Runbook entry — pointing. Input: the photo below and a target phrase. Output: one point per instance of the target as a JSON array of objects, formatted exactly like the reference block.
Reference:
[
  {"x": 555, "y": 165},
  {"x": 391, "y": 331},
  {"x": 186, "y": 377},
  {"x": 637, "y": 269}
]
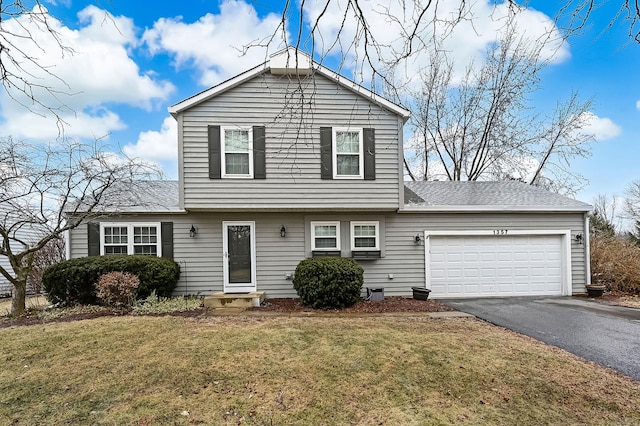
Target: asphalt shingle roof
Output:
[
  {"x": 150, "y": 196},
  {"x": 162, "y": 196},
  {"x": 507, "y": 196},
  {"x": 154, "y": 196}
]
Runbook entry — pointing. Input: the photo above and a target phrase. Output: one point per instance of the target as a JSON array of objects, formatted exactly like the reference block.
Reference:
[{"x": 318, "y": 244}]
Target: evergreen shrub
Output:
[
  {"x": 74, "y": 281},
  {"x": 328, "y": 282}
]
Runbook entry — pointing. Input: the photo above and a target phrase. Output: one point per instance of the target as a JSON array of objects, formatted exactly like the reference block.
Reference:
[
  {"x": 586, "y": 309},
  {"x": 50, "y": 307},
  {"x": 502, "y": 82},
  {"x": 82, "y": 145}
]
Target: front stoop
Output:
[{"x": 234, "y": 300}]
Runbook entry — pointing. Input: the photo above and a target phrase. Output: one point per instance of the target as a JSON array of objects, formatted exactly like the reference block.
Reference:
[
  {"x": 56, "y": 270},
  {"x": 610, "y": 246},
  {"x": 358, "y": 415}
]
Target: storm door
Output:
[{"x": 239, "y": 257}]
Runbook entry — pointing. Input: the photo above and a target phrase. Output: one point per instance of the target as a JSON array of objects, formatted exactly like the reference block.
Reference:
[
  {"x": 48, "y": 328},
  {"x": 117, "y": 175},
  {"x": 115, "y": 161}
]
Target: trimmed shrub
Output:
[
  {"x": 117, "y": 289},
  {"x": 73, "y": 281},
  {"x": 328, "y": 282}
]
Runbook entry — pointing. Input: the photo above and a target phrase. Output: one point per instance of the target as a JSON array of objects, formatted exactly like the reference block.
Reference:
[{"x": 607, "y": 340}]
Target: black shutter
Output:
[
  {"x": 259, "y": 154},
  {"x": 326, "y": 153},
  {"x": 166, "y": 230},
  {"x": 214, "y": 152},
  {"x": 93, "y": 239},
  {"x": 369, "y": 145}
]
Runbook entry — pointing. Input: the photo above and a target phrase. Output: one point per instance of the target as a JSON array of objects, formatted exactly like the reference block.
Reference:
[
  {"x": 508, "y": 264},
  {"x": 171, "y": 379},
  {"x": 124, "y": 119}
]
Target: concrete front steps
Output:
[{"x": 234, "y": 300}]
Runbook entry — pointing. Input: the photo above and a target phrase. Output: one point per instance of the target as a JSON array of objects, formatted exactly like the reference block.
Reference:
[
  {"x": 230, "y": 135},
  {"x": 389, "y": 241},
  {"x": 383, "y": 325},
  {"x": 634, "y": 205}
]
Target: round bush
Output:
[
  {"x": 328, "y": 282},
  {"x": 117, "y": 289},
  {"x": 73, "y": 281}
]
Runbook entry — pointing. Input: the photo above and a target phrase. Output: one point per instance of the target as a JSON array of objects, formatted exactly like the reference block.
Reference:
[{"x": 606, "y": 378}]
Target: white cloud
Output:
[
  {"x": 156, "y": 146},
  {"x": 638, "y": 105},
  {"x": 214, "y": 43},
  {"x": 601, "y": 128},
  {"x": 96, "y": 72},
  {"x": 465, "y": 43}
]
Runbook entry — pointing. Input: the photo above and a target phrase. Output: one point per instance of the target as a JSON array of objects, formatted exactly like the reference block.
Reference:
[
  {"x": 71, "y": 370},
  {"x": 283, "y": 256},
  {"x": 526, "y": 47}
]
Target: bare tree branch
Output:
[
  {"x": 23, "y": 74},
  {"x": 46, "y": 191}
]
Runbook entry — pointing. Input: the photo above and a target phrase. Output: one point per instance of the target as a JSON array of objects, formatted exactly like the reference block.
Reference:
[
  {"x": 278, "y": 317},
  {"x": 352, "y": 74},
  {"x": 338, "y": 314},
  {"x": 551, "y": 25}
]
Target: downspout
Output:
[
  {"x": 587, "y": 249},
  {"x": 67, "y": 244}
]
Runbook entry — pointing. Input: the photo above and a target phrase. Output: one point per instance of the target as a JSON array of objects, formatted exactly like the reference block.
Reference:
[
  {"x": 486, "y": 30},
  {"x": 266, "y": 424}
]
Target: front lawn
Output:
[{"x": 275, "y": 371}]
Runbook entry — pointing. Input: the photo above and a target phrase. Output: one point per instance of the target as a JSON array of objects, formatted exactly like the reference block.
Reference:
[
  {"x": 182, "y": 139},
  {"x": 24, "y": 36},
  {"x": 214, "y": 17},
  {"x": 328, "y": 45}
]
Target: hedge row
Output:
[{"x": 73, "y": 281}]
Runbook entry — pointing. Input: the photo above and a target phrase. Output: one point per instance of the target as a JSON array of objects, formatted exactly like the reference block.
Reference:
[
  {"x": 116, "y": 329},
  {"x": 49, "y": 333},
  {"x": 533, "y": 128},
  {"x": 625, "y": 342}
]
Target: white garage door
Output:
[{"x": 488, "y": 265}]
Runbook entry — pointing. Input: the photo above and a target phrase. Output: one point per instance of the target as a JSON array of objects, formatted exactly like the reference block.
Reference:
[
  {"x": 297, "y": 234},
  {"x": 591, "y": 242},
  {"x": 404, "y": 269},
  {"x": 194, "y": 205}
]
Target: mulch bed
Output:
[{"x": 389, "y": 304}]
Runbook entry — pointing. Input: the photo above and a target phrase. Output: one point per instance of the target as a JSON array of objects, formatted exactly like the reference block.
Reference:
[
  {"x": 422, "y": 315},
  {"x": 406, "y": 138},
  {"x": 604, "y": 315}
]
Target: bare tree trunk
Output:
[{"x": 19, "y": 296}]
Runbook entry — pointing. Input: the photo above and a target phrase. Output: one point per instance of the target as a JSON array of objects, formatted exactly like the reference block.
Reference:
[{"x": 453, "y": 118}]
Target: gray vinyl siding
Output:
[
  {"x": 407, "y": 259},
  {"x": 30, "y": 236},
  {"x": 200, "y": 258},
  {"x": 292, "y": 121},
  {"x": 5, "y": 286}
]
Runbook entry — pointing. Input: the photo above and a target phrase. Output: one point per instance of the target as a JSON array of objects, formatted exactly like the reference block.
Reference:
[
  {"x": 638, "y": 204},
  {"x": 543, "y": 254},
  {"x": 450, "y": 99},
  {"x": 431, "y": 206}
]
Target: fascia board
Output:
[{"x": 174, "y": 110}]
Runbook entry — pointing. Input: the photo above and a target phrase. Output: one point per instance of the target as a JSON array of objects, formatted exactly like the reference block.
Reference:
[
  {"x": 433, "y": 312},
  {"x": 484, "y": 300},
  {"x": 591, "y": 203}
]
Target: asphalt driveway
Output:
[{"x": 606, "y": 334}]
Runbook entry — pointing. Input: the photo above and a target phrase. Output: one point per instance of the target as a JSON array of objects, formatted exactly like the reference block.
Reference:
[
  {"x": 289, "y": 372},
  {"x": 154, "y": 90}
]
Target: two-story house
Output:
[{"x": 290, "y": 160}]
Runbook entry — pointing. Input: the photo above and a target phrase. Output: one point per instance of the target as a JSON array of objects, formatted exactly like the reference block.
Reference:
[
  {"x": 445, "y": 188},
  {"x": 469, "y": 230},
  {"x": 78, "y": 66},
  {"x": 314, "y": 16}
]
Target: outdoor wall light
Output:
[
  {"x": 193, "y": 231},
  {"x": 283, "y": 231},
  {"x": 579, "y": 238},
  {"x": 417, "y": 239}
]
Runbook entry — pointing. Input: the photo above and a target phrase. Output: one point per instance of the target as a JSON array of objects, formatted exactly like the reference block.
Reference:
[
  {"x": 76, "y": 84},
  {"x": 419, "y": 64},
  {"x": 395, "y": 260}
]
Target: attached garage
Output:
[{"x": 497, "y": 263}]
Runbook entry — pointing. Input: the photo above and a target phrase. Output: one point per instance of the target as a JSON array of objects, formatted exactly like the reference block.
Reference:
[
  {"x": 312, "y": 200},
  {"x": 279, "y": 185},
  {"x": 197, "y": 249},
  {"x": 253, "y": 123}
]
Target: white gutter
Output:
[{"x": 491, "y": 208}]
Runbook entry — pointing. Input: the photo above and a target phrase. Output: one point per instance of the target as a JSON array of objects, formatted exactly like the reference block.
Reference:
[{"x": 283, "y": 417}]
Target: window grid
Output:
[
  {"x": 237, "y": 146},
  {"x": 115, "y": 240},
  {"x": 325, "y": 235},
  {"x": 145, "y": 240},
  {"x": 130, "y": 239},
  {"x": 348, "y": 155},
  {"x": 365, "y": 236}
]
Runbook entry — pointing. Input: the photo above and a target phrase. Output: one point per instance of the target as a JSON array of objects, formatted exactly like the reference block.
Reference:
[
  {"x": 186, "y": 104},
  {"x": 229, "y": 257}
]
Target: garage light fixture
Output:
[
  {"x": 417, "y": 240},
  {"x": 579, "y": 238},
  {"x": 283, "y": 231},
  {"x": 193, "y": 231}
]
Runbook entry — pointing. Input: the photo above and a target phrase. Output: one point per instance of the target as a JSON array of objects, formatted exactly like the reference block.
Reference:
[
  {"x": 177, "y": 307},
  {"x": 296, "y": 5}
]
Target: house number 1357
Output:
[{"x": 500, "y": 231}]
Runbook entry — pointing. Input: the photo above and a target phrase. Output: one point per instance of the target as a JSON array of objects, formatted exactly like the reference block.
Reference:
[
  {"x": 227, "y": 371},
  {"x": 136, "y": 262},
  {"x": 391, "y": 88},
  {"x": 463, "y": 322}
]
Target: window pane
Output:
[
  {"x": 325, "y": 230},
  {"x": 326, "y": 242},
  {"x": 347, "y": 142},
  {"x": 364, "y": 230},
  {"x": 348, "y": 165},
  {"x": 236, "y": 141},
  {"x": 115, "y": 235},
  {"x": 240, "y": 261},
  {"x": 115, "y": 250},
  {"x": 147, "y": 250},
  {"x": 365, "y": 242},
  {"x": 145, "y": 235},
  {"x": 236, "y": 164}
]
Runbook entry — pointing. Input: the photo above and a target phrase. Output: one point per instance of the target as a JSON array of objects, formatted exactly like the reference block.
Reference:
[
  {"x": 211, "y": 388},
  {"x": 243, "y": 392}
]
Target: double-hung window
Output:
[
  {"x": 237, "y": 152},
  {"x": 365, "y": 236},
  {"x": 325, "y": 236},
  {"x": 130, "y": 238},
  {"x": 347, "y": 153}
]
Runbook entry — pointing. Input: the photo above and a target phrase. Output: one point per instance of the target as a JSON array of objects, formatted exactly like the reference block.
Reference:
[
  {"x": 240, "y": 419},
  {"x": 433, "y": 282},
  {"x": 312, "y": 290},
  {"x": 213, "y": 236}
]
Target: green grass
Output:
[{"x": 264, "y": 371}]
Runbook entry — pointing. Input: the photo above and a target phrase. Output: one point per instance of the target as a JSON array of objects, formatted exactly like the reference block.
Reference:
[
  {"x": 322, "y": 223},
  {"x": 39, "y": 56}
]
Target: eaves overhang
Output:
[{"x": 495, "y": 209}]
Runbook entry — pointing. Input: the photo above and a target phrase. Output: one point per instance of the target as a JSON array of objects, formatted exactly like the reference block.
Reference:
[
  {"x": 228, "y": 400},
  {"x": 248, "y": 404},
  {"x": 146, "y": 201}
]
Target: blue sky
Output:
[{"x": 133, "y": 59}]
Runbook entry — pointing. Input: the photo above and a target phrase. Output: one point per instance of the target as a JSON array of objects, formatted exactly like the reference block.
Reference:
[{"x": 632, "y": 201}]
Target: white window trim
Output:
[
  {"x": 353, "y": 235},
  {"x": 130, "y": 226},
  {"x": 313, "y": 235},
  {"x": 335, "y": 153},
  {"x": 223, "y": 157}
]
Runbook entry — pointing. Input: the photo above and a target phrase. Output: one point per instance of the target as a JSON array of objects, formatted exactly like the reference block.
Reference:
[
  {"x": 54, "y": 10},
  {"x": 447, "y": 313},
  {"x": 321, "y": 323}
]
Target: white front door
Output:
[{"x": 239, "y": 256}]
